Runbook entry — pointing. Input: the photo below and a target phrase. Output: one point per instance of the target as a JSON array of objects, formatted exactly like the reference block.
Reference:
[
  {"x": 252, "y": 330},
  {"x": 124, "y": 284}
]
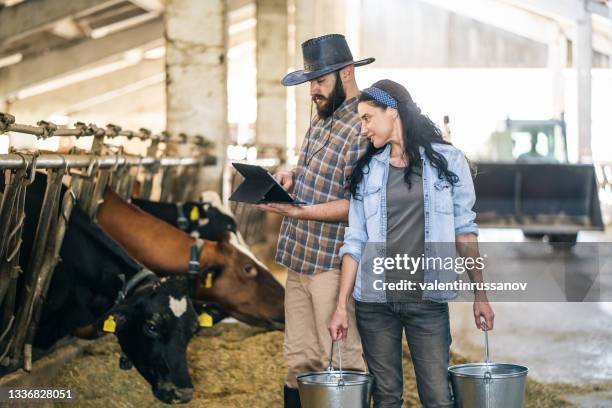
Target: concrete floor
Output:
[{"x": 559, "y": 342}]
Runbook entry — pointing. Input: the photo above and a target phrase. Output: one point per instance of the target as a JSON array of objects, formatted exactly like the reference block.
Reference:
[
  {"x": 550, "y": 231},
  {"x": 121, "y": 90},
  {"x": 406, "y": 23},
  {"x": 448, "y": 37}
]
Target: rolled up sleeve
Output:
[
  {"x": 355, "y": 235},
  {"x": 464, "y": 198}
]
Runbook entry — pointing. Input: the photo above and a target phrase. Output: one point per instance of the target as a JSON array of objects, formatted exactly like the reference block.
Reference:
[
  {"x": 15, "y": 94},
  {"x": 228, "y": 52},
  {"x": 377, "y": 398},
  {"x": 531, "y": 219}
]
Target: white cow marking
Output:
[{"x": 178, "y": 306}]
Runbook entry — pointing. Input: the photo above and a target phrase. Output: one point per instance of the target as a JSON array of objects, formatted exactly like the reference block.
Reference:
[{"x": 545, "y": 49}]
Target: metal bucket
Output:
[
  {"x": 335, "y": 389},
  {"x": 492, "y": 385}
]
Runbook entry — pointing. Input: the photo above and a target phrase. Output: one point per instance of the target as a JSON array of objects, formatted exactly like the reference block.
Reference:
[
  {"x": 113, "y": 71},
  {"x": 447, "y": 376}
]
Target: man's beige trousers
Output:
[{"x": 310, "y": 302}]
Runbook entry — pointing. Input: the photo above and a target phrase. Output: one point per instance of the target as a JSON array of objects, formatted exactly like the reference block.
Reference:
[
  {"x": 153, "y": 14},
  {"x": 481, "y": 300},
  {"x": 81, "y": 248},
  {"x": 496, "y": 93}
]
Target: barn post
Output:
[
  {"x": 271, "y": 59},
  {"x": 196, "y": 77}
]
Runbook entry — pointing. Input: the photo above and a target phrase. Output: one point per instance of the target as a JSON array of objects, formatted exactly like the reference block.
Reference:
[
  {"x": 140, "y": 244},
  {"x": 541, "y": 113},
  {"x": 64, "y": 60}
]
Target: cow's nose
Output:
[
  {"x": 173, "y": 395},
  {"x": 184, "y": 394}
]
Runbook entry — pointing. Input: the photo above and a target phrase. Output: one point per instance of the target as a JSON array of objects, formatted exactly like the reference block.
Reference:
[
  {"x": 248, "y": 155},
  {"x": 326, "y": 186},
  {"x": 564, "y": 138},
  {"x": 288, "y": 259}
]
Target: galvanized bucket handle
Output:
[
  {"x": 487, "y": 374},
  {"x": 330, "y": 368}
]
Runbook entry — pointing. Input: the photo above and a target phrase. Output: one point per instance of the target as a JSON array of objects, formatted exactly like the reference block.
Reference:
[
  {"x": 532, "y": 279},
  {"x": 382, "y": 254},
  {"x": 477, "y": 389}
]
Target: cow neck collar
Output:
[
  {"x": 194, "y": 264},
  {"x": 144, "y": 273},
  {"x": 194, "y": 260},
  {"x": 181, "y": 221},
  {"x": 132, "y": 283}
]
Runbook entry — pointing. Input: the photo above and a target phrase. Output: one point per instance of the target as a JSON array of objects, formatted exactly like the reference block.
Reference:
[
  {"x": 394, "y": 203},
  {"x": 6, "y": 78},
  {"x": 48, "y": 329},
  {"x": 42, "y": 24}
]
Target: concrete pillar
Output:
[
  {"x": 304, "y": 18},
  {"x": 271, "y": 51},
  {"x": 557, "y": 62},
  {"x": 352, "y": 26},
  {"x": 312, "y": 18},
  {"x": 196, "y": 76},
  {"x": 583, "y": 49}
]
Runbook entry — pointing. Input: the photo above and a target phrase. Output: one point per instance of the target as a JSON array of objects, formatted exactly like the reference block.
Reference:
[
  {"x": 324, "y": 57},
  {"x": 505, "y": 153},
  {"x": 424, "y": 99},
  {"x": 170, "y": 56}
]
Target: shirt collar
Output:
[
  {"x": 383, "y": 156},
  {"x": 349, "y": 105}
]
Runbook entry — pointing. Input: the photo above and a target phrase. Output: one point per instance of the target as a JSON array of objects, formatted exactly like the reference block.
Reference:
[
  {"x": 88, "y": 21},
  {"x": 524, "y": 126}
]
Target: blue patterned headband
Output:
[{"x": 381, "y": 96}]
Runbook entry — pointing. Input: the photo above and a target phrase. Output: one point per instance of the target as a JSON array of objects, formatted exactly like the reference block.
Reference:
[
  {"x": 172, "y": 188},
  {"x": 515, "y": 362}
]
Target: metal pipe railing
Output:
[
  {"x": 55, "y": 161},
  {"x": 100, "y": 166},
  {"x": 45, "y": 129}
]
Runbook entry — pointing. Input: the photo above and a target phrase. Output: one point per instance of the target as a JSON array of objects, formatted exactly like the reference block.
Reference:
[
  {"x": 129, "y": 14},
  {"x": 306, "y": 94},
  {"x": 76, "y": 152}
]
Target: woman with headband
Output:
[{"x": 411, "y": 203}]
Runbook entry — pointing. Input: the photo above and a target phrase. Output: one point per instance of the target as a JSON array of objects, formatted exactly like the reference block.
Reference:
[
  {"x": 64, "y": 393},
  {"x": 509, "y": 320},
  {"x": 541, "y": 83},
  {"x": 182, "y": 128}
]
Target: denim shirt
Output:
[{"x": 448, "y": 213}]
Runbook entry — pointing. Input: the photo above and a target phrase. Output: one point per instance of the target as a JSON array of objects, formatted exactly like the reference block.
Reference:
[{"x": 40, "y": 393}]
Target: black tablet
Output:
[{"x": 259, "y": 187}]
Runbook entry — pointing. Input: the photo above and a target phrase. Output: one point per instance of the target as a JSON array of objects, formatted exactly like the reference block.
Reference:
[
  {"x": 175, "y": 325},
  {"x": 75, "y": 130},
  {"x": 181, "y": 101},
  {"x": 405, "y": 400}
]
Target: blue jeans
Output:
[{"x": 427, "y": 329}]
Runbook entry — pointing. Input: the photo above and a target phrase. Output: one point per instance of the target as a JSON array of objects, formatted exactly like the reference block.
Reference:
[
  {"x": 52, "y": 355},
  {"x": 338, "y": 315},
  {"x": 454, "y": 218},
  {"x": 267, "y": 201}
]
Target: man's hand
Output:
[
  {"x": 332, "y": 211},
  {"x": 286, "y": 210},
  {"x": 338, "y": 325},
  {"x": 285, "y": 179},
  {"x": 483, "y": 311}
]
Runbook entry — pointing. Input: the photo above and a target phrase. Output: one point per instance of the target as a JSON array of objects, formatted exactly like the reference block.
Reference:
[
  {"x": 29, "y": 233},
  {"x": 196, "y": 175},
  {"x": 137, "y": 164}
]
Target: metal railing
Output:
[{"x": 89, "y": 172}]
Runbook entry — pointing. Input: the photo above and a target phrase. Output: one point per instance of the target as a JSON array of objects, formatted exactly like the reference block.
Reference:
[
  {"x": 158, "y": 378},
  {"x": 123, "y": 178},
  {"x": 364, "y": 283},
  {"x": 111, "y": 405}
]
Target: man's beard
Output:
[{"x": 333, "y": 102}]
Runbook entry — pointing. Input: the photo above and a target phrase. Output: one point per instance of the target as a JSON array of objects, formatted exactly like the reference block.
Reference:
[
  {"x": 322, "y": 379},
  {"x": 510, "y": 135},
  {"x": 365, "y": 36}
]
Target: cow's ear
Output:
[{"x": 114, "y": 320}]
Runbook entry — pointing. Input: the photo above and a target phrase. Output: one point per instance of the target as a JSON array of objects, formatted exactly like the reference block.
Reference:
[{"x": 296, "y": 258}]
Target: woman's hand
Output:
[
  {"x": 483, "y": 313},
  {"x": 338, "y": 325}
]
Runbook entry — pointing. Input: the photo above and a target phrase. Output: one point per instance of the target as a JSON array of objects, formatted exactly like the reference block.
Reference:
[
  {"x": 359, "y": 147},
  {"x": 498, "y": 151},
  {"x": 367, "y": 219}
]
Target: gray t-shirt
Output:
[{"x": 405, "y": 227}]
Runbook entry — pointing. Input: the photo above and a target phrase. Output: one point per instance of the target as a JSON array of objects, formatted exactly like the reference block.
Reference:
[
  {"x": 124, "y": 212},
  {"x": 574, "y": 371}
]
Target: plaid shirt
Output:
[{"x": 325, "y": 163}]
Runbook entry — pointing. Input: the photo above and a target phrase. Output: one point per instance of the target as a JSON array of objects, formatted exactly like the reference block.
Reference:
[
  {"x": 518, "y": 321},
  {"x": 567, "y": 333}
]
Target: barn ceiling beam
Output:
[
  {"x": 47, "y": 67},
  {"x": 34, "y": 15},
  {"x": 149, "y": 5},
  {"x": 523, "y": 18},
  {"x": 63, "y": 100}
]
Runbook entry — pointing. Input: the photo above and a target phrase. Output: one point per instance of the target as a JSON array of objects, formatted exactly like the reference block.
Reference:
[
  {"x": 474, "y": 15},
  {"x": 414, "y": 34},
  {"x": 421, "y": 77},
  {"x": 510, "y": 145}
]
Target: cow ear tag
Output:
[
  {"x": 209, "y": 280},
  {"x": 205, "y": 320},
  {"x": 109, "y": 324},
  {"x": 194, "y": 215}
]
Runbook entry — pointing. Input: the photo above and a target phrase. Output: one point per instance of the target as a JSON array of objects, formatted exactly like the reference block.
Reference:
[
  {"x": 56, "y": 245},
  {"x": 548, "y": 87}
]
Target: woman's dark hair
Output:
[{"x": 418, "y": 130}]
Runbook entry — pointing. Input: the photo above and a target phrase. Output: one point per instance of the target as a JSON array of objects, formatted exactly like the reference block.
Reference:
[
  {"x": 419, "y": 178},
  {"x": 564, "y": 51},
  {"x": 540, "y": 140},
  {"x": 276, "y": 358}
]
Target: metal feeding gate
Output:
[{"x": 89, "y": 173}]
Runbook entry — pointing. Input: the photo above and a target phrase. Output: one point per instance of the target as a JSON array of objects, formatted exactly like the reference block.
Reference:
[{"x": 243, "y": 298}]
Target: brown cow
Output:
[{"x": 244, "y": 287}]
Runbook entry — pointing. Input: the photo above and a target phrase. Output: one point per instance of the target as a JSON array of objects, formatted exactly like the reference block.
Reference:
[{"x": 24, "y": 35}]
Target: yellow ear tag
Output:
[
  {"x": 205, "y": 320},
  {"x": 109, "y": 324},
  {"x": 194, "y": 215},
  {"x": 208, "y": 283}
]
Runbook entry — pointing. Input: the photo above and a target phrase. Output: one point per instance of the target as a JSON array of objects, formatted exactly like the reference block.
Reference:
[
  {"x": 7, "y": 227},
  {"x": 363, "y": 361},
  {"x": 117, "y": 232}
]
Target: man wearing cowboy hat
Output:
[{"x": 312, "y": 234}]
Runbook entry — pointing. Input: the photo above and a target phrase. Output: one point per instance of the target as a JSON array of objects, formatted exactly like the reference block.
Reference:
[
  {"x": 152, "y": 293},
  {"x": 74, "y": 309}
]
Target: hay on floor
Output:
[{"x": 232, "y": 366}]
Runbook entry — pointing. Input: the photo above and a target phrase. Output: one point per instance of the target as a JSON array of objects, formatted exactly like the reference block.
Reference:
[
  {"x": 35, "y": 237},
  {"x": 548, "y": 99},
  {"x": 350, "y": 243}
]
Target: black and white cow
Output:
[
  {"x": 210, "y": 221},
  {"x": 153, "y": 323}
]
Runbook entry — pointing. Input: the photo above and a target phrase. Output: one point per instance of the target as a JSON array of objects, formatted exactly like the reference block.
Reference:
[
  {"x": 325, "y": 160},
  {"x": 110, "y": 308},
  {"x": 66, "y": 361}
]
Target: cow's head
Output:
[
  {"x": 210, "y": 221},
  {"x": 235, "y": 279},
  {"x": 153, "y": 326}
]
